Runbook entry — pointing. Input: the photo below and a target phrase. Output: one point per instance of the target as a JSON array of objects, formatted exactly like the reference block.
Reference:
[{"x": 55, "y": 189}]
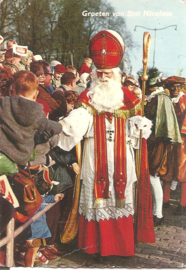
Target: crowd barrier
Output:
[{"x": 11, "y": 235}]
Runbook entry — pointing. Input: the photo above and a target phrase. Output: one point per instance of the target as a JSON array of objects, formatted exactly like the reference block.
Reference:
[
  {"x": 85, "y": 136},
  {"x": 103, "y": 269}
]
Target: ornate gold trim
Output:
[{"x": 117, "y": 113}]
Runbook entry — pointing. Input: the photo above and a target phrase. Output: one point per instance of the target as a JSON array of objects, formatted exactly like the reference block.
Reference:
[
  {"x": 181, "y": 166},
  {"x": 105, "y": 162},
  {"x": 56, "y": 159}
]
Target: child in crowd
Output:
[
  {"x": 71, "y": 97},
  {"x": 66, "y": 100},
  {"x": 39, "y": 230},
  {"x": 66, "y": 164},
  {"x": 20, "y": 118},
  {"x": 64, "y": 159}
]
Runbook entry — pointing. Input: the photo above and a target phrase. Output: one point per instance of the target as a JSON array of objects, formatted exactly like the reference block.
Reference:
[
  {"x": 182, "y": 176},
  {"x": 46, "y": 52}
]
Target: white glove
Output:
[{"x": 137, "y": 123}]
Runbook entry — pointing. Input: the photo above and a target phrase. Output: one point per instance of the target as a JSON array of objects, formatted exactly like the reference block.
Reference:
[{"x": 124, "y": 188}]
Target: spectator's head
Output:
[
  {"x": 6, "y": 79},
  {"x": 47, "y": 71},
  {"x": 133, "y": 86},
  {"x": 2, "y": 56},
  {"x": 13, "y": 58},
  {"x": 26, "y": 60},
  {"x": 72, "y": 69},
  {"x": 37, "y": 69},
  {"x": 71, "y": 97},
  {"x": 59, "y": 70},
  {"x": 26, "y": 84},
  {"x": 69, "y": 80},
  {"x": 88, "y": 62},
  {"x": 10, "y": 43}
]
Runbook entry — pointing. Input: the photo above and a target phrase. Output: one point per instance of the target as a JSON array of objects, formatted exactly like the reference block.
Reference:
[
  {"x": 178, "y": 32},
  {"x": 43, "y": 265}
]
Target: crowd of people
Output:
[{"x": 46, "y": 109}]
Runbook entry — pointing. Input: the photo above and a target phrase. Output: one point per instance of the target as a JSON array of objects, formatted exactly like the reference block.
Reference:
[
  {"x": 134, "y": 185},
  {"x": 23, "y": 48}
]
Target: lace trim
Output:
[{"x": 98, "y": 214}]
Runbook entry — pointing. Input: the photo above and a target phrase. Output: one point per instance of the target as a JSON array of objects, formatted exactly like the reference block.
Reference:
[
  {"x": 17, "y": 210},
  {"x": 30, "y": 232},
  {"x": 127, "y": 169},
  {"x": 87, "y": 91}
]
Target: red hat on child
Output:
[
  {"x": 60, "y": 68},
  {"x": 106, "y": 49}
]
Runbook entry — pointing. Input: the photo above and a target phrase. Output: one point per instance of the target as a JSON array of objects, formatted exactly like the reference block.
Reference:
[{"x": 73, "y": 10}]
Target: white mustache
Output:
[{"x": 104, "y": 80}]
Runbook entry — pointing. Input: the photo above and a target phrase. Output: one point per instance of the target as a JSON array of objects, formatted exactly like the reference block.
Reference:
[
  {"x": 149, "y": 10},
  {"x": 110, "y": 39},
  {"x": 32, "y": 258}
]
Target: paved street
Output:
[{"x": 169, "y": 251}]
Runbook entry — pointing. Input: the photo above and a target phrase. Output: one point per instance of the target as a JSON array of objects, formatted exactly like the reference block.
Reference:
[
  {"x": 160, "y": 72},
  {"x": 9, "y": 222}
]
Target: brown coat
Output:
[{"x": 43, "y": 94}]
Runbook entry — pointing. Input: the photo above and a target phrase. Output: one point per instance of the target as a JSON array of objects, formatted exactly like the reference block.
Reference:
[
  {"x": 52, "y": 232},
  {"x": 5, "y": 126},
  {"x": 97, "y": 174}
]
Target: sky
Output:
[{"x": 170, "y": 47}]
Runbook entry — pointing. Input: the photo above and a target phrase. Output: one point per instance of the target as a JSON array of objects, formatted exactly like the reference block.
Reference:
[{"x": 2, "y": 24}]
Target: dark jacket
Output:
[
  {"x": 20, "y": 118},
  {"x": 62, "y": 110},
  {"x": 62, "y": 172}
]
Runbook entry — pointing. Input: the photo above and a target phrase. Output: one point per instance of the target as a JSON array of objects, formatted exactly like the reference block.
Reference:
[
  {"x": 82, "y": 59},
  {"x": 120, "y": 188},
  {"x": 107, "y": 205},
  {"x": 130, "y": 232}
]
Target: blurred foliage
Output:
[{"x": 56, "y": 29}]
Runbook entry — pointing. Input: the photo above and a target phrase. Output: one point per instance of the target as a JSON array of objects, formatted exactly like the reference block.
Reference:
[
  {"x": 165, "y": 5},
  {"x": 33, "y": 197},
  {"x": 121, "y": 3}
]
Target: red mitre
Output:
[{"x": 106, "y": 49}]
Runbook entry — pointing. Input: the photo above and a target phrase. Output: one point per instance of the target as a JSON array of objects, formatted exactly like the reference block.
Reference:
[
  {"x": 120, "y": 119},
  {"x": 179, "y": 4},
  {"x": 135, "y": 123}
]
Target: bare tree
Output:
[{"x": 56, "y": 29}]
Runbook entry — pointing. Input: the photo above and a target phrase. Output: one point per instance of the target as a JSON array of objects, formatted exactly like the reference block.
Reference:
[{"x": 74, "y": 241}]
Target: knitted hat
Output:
[
  {"x": 106, "y": 49},
  {"x": 60, "y": 68}
]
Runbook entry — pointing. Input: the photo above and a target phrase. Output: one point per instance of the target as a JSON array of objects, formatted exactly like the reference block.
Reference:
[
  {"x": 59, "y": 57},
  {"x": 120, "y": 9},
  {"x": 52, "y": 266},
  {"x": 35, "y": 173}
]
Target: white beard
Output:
[{"x": 106, "y": 94}]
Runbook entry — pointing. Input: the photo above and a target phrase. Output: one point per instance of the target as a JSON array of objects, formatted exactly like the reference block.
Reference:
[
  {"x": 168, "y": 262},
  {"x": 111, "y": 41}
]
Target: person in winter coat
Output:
[
  {"x": 64, "y": 169},
  {"x": 11, "y": 61},
  {"x": 25, "y": 61},
  {"x": 21, "y": 117},
  {"x": 86, "y": 66}
]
